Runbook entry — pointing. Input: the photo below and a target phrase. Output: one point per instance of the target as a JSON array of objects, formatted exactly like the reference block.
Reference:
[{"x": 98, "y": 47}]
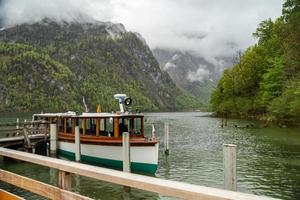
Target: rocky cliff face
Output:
[
  {"x": 103, "y": 59},
  {"x": 191, "y": 72}
]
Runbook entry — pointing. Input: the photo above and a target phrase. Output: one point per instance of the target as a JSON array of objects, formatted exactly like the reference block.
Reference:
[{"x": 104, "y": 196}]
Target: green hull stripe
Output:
[{"x": 116, "y": 164}]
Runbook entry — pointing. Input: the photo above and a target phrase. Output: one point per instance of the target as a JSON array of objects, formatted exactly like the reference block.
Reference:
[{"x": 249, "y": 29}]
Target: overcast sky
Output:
[{"x": 209, "y": 27}]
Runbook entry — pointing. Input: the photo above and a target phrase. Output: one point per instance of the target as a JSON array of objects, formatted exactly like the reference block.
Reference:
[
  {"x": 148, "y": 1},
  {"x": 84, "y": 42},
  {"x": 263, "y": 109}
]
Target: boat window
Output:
[
  {"x": 137, "y": 125},
  {"x": 88, "y": 126},
  {"x": 123, "y": 126},
  {"x": 69, "y": 125},
  {"x": 131, "y": 124},
  {"x": 82, "y": 126},
  {"x": 92, "y": 126},
  {"x": 102, "y": 126},
  {"x": 108, "y": 127},
  {"x": 60, "y": 122}
]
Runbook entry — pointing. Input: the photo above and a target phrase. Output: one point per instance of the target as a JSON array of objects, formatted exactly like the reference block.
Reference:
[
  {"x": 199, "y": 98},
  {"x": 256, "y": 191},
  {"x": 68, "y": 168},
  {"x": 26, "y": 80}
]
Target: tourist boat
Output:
[{"x": 101, "y": 137}]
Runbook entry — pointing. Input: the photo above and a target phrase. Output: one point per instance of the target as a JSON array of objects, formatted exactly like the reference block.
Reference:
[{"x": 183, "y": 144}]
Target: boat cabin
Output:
[
  {"x": 100, "y": 127},
  {"x": 96, "y": 124},
  {"x": 97, "y": 127}
]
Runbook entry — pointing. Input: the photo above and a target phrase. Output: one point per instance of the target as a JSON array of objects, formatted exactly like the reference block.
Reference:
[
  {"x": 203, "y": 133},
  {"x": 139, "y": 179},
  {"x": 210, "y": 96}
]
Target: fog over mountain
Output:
[
  {"x": 210, "y": 28},
  {"x": 193, "y": 40},
  {"x": 192, "y": 72}
]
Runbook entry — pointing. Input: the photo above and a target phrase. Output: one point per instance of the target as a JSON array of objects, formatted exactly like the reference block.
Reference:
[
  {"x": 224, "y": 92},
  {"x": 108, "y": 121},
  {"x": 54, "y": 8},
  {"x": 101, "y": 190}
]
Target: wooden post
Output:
[
  {"x": 97, "y": 126},
  {"x": 73, "y": 122},
  {"x": 65, "y": 125},
  {"x": 166, "y": 141},
  {"x": 53, "y": 139},
  {"x": 83, "y": 126},
  {"x": 126, "y": 151},
  {"x": 229, "y": 163},
  {"x": 77, "y": 144},
  {"x": 126, "y": 156},
  {"x": 26, "y": 139},
  {"x": 64, "y": 180},
  {"x": 116, "y": 127}
]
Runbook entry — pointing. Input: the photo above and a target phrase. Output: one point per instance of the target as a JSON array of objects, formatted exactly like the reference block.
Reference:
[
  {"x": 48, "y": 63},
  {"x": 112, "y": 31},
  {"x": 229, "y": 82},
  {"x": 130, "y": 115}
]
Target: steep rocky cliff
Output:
[{"x": 191, "y": 72}]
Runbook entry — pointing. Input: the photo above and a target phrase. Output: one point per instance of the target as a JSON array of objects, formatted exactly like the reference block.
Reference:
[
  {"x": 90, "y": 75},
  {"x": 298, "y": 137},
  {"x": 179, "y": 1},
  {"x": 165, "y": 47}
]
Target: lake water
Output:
[{"x": 268, "y": 159}]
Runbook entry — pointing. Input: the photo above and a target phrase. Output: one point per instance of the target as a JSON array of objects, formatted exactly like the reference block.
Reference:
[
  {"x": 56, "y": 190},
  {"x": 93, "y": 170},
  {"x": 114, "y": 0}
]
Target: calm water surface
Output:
[{"x": 268, "y": 159}]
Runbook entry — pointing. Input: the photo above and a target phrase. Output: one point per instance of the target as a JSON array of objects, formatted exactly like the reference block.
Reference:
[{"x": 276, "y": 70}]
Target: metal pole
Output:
[
  {"x": 229, "y": 163},
  {"x": 126, "y": 151},
  {"x": 77, "y": 144}
]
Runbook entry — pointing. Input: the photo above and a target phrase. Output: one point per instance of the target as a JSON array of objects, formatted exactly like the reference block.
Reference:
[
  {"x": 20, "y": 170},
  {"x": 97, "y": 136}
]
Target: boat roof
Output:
[{"x": 89, "y": 115}]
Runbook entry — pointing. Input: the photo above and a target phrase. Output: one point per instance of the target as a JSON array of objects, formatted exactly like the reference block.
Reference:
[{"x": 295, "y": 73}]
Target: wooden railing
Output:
[
  {"x": 28, "y": 136},
  {"x": 8, "y": 196},
  {"x": 161, "y": 186},
  {"x": 39, "y": 188}
]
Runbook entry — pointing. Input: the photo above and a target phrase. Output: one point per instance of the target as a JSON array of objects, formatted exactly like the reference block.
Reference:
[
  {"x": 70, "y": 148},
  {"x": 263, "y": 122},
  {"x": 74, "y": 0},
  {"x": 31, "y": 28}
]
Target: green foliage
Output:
[
  {"x": 272, "y": 81},
  {"x": 287, "y": 105},
  {"x": 266, "y": 79},
  {"x": 50, "y": 67},
  {"x": 31, "y": 81}
]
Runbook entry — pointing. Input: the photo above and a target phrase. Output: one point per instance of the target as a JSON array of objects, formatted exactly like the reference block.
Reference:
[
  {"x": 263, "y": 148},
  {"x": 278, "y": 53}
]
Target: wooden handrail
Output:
[
  {"x": 9, "y": 196},
  {"x": 38, "y": 187},
  {"x": 161, "y": 186}
]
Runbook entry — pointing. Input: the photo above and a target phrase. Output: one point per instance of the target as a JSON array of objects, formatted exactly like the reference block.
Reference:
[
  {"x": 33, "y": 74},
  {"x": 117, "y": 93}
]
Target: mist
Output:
[
  {"x": 208, "y": 28},
  {"x": 200, "y": 75}
]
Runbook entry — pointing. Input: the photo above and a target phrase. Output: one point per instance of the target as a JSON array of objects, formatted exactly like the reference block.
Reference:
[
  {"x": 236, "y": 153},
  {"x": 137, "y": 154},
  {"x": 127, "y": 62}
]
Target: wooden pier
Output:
[
  {"x": 67, "y": 168},
  {"x": 27, "y": 137}
]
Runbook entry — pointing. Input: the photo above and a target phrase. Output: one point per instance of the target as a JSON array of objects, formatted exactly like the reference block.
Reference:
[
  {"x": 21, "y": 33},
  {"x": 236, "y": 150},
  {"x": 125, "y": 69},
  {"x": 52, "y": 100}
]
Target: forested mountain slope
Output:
[
  {"x": 53, "y": 65},
  {"x": 266, "y": 81}
]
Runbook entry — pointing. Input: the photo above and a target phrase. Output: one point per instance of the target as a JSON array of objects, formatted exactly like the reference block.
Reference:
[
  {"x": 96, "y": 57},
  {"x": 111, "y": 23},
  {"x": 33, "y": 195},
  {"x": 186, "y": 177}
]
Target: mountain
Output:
[
  {"x": 51, "y": 65},
  {"x": 191, "y": 72}
]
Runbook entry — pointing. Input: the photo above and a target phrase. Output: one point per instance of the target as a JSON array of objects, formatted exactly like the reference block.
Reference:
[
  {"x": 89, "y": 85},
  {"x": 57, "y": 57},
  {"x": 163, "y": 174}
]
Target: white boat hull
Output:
[{"x": 143, "y": 158}]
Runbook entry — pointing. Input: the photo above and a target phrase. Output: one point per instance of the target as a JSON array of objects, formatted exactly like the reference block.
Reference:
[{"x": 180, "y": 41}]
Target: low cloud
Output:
[
  {"x": 169, "y": 65},
  {"x": 200, "y": 75},
  {"x": 210, "y": 28}
]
